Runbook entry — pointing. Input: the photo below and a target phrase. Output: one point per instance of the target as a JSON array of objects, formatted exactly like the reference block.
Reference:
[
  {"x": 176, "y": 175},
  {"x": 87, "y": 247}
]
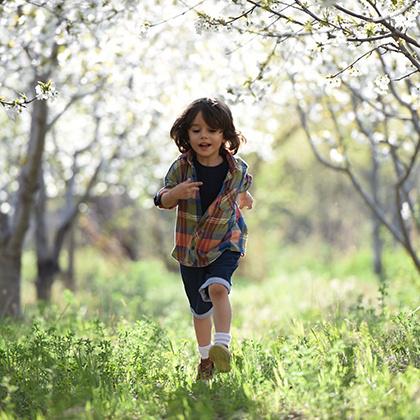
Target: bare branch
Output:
[
  {"x": 263, "y": 66},
  {"x": 71, "y": 215},
  {"x": 413, "y": 112},
  {"x": 369, "y": 39},
  {"x": 245, "y": 14},
  {"x": 347, "y": 170},
  {"x": 178, "y": 15},
  {"x": 405, "y": 76},
  {"x": 371, "y": 204},
  {"x": 17, "y": 102},
  {"x": 274, "y": 12},
  {"x": 304, "y": 123},
  {"x": 73, "y": 210},
  {"x": 373, "y": 105},
  {"x": 409, "y": 55},
  {"x": 72, "y": 101},
  {"x": 368, "y": 53},
  {"x": 383, "y": 20},
  {"x": 410, "y": 165},
  {"x": 314, "y": 16}
]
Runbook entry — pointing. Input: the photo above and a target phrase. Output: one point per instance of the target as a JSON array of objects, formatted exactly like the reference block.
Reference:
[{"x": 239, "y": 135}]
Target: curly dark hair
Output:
[{"x": 216, "y": 114}]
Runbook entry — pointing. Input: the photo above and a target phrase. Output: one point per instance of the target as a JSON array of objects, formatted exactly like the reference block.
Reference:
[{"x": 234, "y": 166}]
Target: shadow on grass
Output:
[{"x": 222, "y": 397}]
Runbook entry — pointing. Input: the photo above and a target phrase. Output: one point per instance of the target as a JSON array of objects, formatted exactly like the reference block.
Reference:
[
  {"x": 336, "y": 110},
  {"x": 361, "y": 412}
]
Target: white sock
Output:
[
  {"x": 222, "y": 338},
  {"x": 204, "y": 351}
]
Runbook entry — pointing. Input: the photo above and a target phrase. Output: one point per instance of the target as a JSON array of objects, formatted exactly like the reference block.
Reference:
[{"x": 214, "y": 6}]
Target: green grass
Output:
[{"x": 307, "y": 344}]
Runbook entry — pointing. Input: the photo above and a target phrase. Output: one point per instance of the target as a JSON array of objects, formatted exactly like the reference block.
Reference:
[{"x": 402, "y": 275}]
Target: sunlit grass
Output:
[{"x": 307, "y": 343}]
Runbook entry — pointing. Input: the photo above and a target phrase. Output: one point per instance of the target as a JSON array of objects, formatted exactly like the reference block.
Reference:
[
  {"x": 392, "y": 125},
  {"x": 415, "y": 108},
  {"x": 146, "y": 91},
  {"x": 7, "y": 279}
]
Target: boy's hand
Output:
[
  {"x": 245, "y": 200},
  {"x": 185, "y": 190}
]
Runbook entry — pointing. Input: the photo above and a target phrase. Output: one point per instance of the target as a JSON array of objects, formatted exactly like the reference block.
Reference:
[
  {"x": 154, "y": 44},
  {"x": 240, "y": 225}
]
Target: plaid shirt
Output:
[{"x": 201, "y": 239}]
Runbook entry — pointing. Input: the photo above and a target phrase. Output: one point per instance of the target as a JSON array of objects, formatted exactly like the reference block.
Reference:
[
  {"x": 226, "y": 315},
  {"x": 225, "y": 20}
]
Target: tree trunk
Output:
[
  {"x": 377, "y": 247},
  {"x": 69, "y": 280},
  {"x": 377, "y": 243},
  {"x": 47, "y": 270},
  {"x": 10, "y": 285},
  {"x": 12, "y": 242}
]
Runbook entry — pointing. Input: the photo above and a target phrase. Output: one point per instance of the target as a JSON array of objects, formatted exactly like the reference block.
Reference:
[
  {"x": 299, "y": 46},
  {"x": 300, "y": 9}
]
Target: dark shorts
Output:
[{"x": 198, "y": 279}]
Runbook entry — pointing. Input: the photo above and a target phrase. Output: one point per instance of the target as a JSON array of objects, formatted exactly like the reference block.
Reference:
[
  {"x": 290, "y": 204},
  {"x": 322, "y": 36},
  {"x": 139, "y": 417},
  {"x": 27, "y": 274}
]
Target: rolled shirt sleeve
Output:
[
  {"x": 172, "y": 178},
  {"x": 246, "y": 181}
]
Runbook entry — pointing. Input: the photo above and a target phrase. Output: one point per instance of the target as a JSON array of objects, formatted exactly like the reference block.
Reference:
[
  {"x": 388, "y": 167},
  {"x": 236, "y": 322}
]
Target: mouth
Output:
[{"x": 204, "y": 146}]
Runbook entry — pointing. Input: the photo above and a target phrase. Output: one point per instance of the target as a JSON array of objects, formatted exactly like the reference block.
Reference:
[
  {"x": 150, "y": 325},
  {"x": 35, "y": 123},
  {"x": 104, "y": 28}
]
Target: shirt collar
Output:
[{"x": 233, "y": 166}]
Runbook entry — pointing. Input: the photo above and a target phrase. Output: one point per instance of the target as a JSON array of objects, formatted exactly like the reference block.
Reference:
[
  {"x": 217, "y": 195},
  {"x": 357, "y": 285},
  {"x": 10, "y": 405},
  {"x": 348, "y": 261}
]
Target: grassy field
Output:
[{"x": 311, "y": 340}]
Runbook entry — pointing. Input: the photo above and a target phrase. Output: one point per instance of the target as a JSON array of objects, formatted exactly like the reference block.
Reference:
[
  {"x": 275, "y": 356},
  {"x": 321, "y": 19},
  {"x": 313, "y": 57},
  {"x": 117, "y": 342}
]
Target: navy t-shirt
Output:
[{"x": 212, "y": 178}]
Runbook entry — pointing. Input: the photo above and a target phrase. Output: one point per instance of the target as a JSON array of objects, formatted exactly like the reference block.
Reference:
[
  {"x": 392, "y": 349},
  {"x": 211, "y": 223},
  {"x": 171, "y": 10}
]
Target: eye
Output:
[{"x": 195, "y": 131}]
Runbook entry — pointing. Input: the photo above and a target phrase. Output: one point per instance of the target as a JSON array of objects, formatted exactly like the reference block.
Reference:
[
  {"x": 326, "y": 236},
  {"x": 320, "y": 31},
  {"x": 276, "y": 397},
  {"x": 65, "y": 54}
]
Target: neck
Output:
[{"x": 214, "y": 161}]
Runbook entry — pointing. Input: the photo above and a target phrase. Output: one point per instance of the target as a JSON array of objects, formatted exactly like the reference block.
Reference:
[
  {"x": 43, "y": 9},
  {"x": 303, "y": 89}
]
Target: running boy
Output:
[{"x": 209, "y": 185}]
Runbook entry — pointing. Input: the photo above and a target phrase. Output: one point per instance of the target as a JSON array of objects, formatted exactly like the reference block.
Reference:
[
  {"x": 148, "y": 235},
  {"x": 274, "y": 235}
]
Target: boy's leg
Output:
[
  {"x": 201, "y": 311},
  {"x": 219, "y": 353},
  {"x": 202, "y": 329},
  {"x": 222, "y": 311},
  {"x": 217, "y": 288}
]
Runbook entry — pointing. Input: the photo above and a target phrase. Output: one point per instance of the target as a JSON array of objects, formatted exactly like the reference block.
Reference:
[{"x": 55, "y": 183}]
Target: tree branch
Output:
[
  {"x": 274, "y": 12},
  {"x": 72, "y": 101},
  {"x": 347, "y": 170},
  {"x": 368, "y": 53},
  {"x": 413, "y": 112},
  {"x": 179, "y": 14},
  {"x": 383, "y": 20},
  {"x": 306, "y": 10}
]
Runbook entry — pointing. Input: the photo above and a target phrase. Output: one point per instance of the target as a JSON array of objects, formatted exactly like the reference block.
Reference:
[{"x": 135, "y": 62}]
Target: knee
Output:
[{"x": 216, "y": 291}]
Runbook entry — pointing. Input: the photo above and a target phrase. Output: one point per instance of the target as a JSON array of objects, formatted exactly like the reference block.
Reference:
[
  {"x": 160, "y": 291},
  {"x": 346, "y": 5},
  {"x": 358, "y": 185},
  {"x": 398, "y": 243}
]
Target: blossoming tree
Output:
[
  {"x": 351, "y": 72},
  {"x": 36, "y": 37}
]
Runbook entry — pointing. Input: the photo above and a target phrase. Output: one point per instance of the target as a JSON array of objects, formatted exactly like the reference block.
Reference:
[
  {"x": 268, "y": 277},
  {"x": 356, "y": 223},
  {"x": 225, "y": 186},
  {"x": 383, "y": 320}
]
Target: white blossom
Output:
[
  {"x": 144, "y": 30},
  {"x": 408, "y": 147},
  {"x": 336, "y": 156},
  {"x": 5, "y": 208},
  {"x": 333, "y": 82},
  {"x": 205, "y": 24},
  {"x": 378, "y": 137},
  {"x": 329, "y": 3},
  {"x": 405, "y": 211},
  {"x": 381, "y": 84},
  {"x": 354, "y": 71},
  {"x": 46, "y": 90}
]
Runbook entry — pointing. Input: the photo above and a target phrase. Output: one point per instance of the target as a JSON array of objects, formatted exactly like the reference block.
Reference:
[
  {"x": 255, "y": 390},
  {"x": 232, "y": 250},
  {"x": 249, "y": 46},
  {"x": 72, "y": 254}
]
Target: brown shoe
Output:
[
  {"x": 205, "y": 370},
  {"x": 220, "y": 355}
]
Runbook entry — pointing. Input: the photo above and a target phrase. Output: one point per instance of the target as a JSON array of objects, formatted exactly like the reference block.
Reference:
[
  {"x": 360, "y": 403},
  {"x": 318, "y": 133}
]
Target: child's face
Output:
[{"x": 205, "y": 141}]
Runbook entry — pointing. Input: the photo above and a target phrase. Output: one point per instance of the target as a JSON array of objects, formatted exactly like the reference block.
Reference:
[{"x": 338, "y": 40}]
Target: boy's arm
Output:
[
  {"x": 245, "y": 199},
  {"x": 246, "y": 183},
  {"x": 161, "y": 202},
  {"x": 167, "y": 198},
  {"x": 171, "y": 180}
]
